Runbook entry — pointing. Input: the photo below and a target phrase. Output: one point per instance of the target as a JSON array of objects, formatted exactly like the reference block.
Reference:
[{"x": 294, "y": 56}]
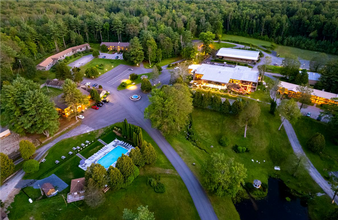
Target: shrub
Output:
[
  {"x": 146, "y": 85},
  {"x": 316, "y": 143},
  {"x": 239, "y": 149},
  {"x": 159, "y": 67},
  {"x": 152, "y": 182},
  {"x": 96, "y": 53},
  {"x": 27, "y": 149},
  {"x": 104, "y": 48},
  {"x": 160, "y": 188},
  {"x": 92, "y": 72},
  {"x": 31, "y": 166},
  {"x": 288, "y": 199},
  {"x": 123, "y": 84},
  {"x": 223, "y": 141},
  {"x": 133, "y": 76}
]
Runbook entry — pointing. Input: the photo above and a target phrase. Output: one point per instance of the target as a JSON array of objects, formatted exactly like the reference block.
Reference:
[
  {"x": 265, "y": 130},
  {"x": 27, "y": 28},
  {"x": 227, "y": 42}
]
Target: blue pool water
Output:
[
  {"x": 112, "y": 156},
  {"x": 135, "y": 96}
]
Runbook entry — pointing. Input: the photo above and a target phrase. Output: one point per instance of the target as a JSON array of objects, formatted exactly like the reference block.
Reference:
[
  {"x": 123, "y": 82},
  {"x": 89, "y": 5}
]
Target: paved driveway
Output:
[{"x": 82, "y": 61}]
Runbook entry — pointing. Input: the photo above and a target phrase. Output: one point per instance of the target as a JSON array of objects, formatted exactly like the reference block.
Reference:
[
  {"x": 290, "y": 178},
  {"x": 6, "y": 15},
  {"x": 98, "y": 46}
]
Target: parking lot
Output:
[{"x": 111, "y": 56}]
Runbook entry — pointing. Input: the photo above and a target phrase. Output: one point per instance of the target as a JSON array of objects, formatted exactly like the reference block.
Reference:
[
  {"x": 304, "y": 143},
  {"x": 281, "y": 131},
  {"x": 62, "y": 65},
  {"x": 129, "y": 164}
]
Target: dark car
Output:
[
  {"x": 99, "y": 104},
  {"x": 117, "y": 57},
  {"x": 94, "y": 85},
  {"x": 105, "y": 101},
  {"x": 319, "y": 118},
  {"x": 95, "y": 107}
]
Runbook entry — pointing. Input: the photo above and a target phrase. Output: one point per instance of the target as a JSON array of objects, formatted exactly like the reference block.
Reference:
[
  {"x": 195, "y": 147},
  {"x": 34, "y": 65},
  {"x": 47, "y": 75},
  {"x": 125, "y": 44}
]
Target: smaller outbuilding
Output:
[
  {"x": 257, "y": 184},
  {"x": 77, "y": 190},
  {"x": 48, "y": 189}
]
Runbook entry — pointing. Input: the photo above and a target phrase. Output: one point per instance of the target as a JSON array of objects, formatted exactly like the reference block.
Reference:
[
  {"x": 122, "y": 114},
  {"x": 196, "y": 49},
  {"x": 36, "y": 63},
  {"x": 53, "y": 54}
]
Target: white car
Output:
[
  {"x": 87, "y": 83},
  {"x": 81, "y": 117}
]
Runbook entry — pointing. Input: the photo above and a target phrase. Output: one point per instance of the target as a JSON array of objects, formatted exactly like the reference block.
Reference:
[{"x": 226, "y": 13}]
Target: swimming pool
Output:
[{"x": 112, "y": 156}]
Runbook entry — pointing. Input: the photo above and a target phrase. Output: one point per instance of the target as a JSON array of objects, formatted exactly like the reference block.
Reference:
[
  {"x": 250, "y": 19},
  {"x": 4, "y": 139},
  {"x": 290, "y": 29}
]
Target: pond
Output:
[{"x": 274, "y": 206}]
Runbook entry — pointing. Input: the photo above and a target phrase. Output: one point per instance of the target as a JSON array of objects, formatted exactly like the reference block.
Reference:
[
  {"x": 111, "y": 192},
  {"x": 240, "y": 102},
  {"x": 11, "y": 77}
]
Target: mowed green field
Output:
[
  {"x": 326, "y": 161},
  {"x": 209, "y": 127},
  {"x": 217, "y": 46},
  {"x": 175, "y": 203},
  {"x": 108, "y": 64},
  {"x": 281, "y": 50},
  {"x": 51, "y": 92}
]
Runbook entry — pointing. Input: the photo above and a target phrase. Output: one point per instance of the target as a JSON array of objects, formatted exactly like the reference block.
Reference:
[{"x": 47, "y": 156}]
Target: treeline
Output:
[{"x": 31, "y": 30}]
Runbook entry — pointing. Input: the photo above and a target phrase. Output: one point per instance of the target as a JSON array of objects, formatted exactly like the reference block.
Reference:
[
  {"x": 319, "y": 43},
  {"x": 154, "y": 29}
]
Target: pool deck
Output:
[{"x": 104, "y": 151}]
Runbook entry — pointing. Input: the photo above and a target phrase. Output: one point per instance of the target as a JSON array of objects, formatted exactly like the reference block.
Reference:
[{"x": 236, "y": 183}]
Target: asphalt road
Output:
[{"x": 121, "y": 107}]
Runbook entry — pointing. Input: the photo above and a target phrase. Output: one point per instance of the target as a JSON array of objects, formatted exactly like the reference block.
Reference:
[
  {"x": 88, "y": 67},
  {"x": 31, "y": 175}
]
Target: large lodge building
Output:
[
  {"x": 236, "y": 78},
  {"x": 116, "y": 46}
]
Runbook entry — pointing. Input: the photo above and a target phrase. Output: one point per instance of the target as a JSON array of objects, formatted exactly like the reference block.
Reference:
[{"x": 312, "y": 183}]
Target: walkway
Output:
[
  {"x": 81, "y": 157},
  {"x": 102, "y": 142},
  {"x": 297, "y": 148}
]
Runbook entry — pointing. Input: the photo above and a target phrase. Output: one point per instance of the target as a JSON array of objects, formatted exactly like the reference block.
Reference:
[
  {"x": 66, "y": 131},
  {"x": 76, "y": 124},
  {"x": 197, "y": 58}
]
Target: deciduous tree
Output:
[
  {"x": 146, "y": 85},
  {"x": 95, "y": 95},
  {"x": 289, "y": 110},
  {"x": 169, "y": 108},
  {"x": 223, "y": 176},
  {"x": 62, "y": 71},
  {"x": 6, "y": 166},
  {"x": 305, "y": 96},
  {"x": 72, "y": 96},
  {"x": 94, "y": 196},
  {"x": 143, "y": 213},
  {"x": 329, "y": 77},
  {"x": 30, "y": 166},
  {"x": 98, "y": 174},
  {"x": 249, "y": 115},
  {"x": 206, "y": 38},
  {"x": 316, "y": 143},
  {"x": 318, "y": 62},
  {"x": 27, "y": 149}
]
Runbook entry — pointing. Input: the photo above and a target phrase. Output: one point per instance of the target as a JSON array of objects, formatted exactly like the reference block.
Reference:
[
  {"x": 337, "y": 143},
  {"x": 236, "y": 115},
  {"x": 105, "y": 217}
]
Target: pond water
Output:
[{"x": 274, "y": 206}]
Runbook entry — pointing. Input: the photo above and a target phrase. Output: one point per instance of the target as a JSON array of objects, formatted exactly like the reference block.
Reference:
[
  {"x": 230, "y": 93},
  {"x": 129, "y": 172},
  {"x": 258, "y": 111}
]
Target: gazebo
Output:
[{"x": 257, "y": 184}]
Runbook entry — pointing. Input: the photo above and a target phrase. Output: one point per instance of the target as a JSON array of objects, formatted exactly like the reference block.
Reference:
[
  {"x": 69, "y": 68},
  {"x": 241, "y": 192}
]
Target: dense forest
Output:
[{"x": 31, "y": 30}]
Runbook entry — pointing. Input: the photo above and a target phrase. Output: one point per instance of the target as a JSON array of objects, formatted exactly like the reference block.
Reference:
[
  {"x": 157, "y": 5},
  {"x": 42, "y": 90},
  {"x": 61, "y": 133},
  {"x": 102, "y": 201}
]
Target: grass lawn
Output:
[
  {"x": 305, "y": 128},
  {"x": 42, "y": 76},
  {"x": 163, "y": 62},
  {"x": 248, "y": 40},
  {"x": 303, "y": 54},
  {"x": 107, "y": 65},
  {"x": 175, "y": 203},
  {"x": 130, "y": 82},
  {"x": 217, "y": 46},
  {"x": 209, "y": 127},
  {"x": 51, "y": 92},
  {"x": 78, "y": 57},
  {"x": 281, "y": 50},
  {"x": 95, "y": 46},
  {"x": 273, "y": 69}
]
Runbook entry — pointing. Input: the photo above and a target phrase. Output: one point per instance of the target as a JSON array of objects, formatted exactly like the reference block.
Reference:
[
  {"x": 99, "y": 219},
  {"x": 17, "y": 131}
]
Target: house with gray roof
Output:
[{"x": 238, "y": 55}]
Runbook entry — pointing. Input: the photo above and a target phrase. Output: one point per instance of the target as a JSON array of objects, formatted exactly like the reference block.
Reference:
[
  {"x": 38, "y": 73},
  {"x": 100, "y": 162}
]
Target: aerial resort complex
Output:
[
  {"x": 108, "y": 155},
  {"x": 155, "y": 110}
]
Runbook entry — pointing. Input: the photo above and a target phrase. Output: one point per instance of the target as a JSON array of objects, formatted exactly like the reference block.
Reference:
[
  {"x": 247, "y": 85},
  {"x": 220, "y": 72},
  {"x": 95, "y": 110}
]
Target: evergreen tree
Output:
[
  {"x": 226, "y": 107},
  {"x": 125, "y": 165},
  {"x": 27, "y": 149},
  {"x": 237, "y": 107},
  {"x": 62, "y": 71},
  {"x": 149, "y": 153},
  {"x": 135, "y": 52},
  {"x": 273, "y": 106},
  {"x": 136, "y": 156},
  {"x": 216, "y": 102},
  {"x": 115, "y": 178},
  {"x": 6, "y": 166}
]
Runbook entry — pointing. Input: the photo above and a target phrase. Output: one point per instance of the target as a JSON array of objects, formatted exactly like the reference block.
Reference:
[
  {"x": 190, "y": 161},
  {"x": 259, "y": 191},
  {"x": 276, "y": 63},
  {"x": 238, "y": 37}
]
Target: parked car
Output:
[
  {"x": 99, "y": 104},
  {"x": 94, "y": 85},
  {"x": 95, "y": 107},
  {"x": 308, "y": 114},
  {"x": 130, "y": 69},
  {"x": 87, "y": 83},
  {"x": 105, "y": 101},
  {"x": 81, "y": 117},
  {"x": 319, "y": 118},
  {"x": 104, "y": 57},
  {"x": 117, "y": 57}
]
